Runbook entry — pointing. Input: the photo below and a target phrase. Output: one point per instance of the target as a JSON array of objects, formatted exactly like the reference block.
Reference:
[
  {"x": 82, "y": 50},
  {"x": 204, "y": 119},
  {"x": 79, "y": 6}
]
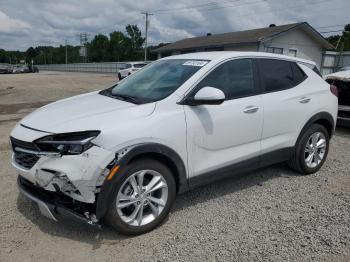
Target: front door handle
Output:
[
  {"x": 251, "y": 109},
  {"x": 304, "y": 100}
]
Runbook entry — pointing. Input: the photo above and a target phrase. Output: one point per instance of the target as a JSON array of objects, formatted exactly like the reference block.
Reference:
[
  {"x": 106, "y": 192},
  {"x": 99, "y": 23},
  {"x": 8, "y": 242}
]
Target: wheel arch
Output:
[
  {"x": 156, "y": 151},
  {"x": 323, "y": 118},
  {"x": 163, "y": 154}
]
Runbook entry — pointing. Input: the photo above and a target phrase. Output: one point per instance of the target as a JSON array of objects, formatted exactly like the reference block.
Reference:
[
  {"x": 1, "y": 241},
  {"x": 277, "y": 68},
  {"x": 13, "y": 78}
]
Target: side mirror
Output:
[{"x": 207, "y": 96}]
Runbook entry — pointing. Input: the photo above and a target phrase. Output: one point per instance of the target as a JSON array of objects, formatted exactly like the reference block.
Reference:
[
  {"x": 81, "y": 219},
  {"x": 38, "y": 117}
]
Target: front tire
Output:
[
  {"x": 311, "y": 150},
  {"x": 142, "y": 197}
]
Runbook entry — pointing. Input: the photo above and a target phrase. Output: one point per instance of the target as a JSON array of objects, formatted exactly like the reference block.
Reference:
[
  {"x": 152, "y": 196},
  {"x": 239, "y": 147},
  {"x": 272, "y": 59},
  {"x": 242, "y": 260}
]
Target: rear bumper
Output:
[
  {"x": 343, "y": 116},
  {"x": 55, "y": 206}
]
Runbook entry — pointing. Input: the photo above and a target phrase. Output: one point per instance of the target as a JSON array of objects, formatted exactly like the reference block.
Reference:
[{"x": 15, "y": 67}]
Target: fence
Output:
[
  {"x": 333, "y": 61},
  {"x": 107, "y": 67}
]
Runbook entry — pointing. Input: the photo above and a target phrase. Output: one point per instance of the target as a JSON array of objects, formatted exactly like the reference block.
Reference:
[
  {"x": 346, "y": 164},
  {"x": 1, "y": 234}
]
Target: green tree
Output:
[
  {"x": 136, "y": 41},
  {"x": 31, "y": 53},
  {"x": 98, "y": 49},
  {"x": 118, "y": 46},
  {"x": 342, "y": 42}
]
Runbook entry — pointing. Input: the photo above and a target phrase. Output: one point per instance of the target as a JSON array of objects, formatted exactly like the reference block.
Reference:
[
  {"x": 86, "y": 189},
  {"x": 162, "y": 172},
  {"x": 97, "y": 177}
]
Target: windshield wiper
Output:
[{"x": 126, "y": 98}]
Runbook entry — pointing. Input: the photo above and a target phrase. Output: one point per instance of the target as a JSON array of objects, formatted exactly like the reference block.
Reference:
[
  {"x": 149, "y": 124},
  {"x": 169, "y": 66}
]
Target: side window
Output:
[
  {"x": 298, "y": 74},
  {"x": 234, "y": 78},
  {"x": 275, "y": 74}
]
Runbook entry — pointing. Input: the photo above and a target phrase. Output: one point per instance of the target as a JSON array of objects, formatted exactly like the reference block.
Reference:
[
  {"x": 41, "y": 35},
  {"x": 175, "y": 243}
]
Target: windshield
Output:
[{"x": 157, "y": 81}]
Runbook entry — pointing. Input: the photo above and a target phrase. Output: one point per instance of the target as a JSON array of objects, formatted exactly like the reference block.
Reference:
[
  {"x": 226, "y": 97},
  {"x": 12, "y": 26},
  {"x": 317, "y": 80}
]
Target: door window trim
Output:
[
  {"x": 260, "y": 76},
  {"x": 193, "y": 89}
]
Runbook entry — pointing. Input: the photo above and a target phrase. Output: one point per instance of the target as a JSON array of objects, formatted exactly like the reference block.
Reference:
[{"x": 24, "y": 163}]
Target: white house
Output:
[{"x": 298, "y": 39}]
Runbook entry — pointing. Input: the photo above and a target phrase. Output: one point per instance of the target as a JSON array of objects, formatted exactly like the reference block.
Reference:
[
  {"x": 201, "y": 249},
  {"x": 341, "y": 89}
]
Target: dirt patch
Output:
[{"x": 16, "y": 108}]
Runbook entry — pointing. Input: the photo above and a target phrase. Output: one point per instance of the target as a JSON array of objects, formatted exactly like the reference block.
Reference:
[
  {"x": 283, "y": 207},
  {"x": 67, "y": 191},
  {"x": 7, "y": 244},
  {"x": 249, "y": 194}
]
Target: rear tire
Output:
[
  {"x": 311, "y": 150},
  {"x": 135, "y": 209},
  {"x": 119, "y": 76}
]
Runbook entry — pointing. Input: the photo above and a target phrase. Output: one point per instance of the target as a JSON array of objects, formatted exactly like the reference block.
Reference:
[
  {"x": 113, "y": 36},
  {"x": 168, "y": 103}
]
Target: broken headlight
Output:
[{"x": 67, "y": 143}]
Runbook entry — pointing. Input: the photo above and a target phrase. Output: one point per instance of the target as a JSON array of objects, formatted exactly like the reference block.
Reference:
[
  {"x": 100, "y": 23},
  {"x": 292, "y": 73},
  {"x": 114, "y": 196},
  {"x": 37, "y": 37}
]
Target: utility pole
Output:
[
  {"x": 66, "y": 53},
  {"x": 147, "y": 23}
]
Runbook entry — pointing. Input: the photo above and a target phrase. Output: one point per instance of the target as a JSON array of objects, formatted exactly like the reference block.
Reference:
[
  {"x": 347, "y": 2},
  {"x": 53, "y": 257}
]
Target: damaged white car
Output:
[
  {"x": 122, "y": 154},
  {"x": 341, "y": 80}
]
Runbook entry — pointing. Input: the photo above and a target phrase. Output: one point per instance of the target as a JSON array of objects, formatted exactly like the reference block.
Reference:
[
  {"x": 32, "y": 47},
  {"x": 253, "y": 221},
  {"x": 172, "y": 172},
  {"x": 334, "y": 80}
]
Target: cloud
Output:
[
  {"x": 12, "y": 26},
  {"x": 51, "y": 22}
]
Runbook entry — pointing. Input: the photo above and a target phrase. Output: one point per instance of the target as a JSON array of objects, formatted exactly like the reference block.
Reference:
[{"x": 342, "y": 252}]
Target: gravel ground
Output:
[{"x": 268, "y": 215}]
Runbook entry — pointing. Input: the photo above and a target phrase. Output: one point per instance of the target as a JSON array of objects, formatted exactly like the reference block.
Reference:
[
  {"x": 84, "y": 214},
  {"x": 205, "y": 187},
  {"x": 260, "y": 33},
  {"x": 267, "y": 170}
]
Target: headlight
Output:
[{"x": 67, "y": 143}]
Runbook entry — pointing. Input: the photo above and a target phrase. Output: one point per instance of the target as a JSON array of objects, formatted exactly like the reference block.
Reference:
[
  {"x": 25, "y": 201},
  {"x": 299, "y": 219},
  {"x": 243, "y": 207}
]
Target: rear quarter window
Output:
[
  {"x": 275, "y": 75},
  {"x": 298, "y": 74}
]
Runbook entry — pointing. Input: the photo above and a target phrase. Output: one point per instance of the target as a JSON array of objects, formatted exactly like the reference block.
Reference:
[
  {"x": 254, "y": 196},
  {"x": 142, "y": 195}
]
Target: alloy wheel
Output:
[
  {"x": 315, "y": 149},
  {"x": 142, "y": 197}
]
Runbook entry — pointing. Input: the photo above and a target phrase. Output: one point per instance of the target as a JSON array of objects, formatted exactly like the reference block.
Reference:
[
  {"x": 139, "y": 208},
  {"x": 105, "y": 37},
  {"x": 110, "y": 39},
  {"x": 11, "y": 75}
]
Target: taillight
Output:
[{"x": 334, "y": 90}]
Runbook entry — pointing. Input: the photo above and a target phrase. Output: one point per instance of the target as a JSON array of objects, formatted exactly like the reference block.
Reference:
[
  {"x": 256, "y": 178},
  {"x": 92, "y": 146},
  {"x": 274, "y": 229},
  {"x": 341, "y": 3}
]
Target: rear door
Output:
[
  {"x": 288, "y": 102},
  {"x": 219, "y": 136}
]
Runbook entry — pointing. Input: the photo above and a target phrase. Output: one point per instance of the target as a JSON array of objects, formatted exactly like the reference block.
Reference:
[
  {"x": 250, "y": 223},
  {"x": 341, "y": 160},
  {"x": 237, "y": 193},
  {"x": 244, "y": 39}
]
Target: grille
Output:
[{"x": 24, "y": 159}]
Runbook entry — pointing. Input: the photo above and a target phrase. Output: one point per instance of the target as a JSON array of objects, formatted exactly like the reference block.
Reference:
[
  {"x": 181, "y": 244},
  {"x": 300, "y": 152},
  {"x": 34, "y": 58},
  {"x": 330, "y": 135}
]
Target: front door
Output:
[{"x": 220, "y": 136}]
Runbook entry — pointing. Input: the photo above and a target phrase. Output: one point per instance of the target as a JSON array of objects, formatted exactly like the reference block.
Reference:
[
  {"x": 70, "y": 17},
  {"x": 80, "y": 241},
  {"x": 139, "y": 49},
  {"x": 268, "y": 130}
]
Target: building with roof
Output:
[{"x": 298, "y": 39}]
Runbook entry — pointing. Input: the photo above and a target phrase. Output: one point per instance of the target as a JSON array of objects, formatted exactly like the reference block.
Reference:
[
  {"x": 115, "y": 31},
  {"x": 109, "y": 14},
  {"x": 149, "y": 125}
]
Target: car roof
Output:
[{"x": 223, "y": 55}]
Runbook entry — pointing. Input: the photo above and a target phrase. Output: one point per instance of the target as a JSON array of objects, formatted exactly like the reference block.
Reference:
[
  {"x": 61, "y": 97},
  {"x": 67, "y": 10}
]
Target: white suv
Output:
[
  {"x": 130, "y": 68},
  {"x": 125, "y": 152}
]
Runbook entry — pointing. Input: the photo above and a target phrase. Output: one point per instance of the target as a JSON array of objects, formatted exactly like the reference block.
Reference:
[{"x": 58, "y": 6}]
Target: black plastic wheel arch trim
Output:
[
  {"x": 319, "y": 116},
  {"x": 103, "y": 198}
]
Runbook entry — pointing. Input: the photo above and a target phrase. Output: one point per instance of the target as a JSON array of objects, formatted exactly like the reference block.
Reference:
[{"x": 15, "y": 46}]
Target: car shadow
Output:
[
  {"x": 96, "y": 237},
  {"x": 342, "y": 131}
]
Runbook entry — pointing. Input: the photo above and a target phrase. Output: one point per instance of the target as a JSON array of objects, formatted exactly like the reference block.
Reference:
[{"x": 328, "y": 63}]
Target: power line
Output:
[
  {"x": 329, "y": 26},
  {"x": 191, "y": 7},
  {"x": 213, "y": 8},
  {"x": 333, "y": 31},
  {"x": 243, "y": 4}
]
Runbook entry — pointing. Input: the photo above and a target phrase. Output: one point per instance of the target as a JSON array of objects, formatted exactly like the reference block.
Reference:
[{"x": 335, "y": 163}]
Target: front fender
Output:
[{"x": 125, "y": 156}]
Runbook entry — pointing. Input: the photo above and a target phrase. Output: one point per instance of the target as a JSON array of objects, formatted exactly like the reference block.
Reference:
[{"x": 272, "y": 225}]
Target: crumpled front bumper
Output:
[
  {"x": 77, "y": 176},
  {"x": 55, "y": 206}
]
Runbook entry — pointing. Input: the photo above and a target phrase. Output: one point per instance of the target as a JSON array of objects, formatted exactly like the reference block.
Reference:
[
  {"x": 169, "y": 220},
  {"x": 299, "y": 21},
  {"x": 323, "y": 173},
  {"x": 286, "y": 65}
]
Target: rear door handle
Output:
[
  {"x": 251, "y": 109},
  {"x": 304, "y": 100}
]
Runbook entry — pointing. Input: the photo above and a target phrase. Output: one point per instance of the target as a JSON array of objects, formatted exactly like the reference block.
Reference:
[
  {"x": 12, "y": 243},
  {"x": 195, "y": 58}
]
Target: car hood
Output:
[{"x": 90, "y": 111}]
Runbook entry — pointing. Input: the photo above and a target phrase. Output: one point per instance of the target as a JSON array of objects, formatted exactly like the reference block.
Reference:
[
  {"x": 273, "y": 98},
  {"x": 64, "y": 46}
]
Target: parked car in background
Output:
[
  {"x": 122, "y": 154},
  {"x": 20, "y": 69},
  {"x": 5, "y": 68},
  {"x": 25, "y": 69},
  {"x": 341, "y": 80},
  {"x": 130, "y": 68}
]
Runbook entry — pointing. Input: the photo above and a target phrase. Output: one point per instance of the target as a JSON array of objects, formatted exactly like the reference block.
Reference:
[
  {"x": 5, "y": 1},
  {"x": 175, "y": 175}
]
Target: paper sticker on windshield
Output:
[{"x": 195, "y": 63}]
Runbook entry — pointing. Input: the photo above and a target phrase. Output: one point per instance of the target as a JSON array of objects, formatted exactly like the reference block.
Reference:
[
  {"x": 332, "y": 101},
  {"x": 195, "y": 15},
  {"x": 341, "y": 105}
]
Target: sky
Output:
[{"x": 25, "y": 23}]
